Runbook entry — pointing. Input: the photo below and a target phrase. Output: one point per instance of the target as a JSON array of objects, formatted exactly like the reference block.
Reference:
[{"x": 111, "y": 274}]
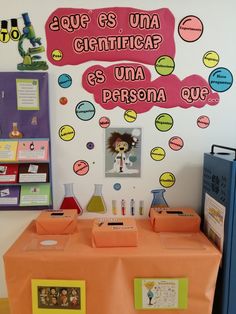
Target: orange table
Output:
[{"x": 109, "y": 272}]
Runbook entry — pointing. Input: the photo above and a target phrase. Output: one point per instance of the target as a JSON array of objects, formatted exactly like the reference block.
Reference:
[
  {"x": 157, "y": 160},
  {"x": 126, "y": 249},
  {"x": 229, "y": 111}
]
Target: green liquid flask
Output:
[{"x": 96, "y": 203}]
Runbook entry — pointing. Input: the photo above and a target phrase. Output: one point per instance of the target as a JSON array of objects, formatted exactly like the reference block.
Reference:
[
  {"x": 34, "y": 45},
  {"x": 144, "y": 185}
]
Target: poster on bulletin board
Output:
[{"x": 123, "y": 152}]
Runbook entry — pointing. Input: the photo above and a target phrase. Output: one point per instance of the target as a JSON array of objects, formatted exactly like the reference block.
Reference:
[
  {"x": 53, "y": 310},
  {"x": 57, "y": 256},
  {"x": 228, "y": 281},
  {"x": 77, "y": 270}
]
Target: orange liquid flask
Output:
[{"x": 70, "y": 201}]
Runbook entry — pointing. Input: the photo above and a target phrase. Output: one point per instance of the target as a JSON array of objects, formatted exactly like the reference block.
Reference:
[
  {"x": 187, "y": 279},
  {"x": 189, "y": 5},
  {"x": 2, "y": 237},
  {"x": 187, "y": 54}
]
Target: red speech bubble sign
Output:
[
  {"x": 129, "y": 86},
  {"x": 78, "y": 35}
]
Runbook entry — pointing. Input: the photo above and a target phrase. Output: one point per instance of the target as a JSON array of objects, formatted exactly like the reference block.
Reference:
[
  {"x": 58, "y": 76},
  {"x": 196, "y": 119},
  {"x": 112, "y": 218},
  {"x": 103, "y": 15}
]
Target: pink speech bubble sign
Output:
[
  {"x": 129, "y": 86},
  {"x": 78, "y": 35}
]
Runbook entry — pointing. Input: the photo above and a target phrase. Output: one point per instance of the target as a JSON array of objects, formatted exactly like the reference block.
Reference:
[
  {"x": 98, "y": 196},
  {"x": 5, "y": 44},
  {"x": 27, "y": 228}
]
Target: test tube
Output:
[
  {"x": 123, "y": 210},
  {"x": 132, "y": 206},
  {"x": 141, "y": 207},
  {"x": 114, "y": 209}
]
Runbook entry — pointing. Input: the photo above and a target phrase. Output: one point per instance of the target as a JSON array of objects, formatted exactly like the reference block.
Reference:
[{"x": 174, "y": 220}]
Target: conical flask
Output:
[
  {"x": 158, "y": 200},
  {"x": 15, "y": 133},
  {"x": 70, "y": 201},
  {"x": 96, "y": 203}
]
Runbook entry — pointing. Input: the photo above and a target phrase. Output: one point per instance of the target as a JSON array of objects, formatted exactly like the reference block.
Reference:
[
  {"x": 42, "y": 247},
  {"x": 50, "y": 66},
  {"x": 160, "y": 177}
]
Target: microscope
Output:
[{"x": 31, "y": 61}]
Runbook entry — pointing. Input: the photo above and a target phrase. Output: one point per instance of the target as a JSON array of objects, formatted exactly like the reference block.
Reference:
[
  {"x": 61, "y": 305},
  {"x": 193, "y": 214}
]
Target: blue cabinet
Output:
[{"x": 219, "y": 184}]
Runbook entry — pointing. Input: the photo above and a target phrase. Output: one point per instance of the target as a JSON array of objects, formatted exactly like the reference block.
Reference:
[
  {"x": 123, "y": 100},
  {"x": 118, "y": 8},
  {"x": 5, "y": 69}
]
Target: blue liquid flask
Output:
[{"x": 158, "y": 200}]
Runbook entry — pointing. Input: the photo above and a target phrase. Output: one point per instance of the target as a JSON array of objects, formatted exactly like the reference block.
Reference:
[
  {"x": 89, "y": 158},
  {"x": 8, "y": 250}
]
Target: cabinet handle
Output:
[{"x": 224, "y": 147}]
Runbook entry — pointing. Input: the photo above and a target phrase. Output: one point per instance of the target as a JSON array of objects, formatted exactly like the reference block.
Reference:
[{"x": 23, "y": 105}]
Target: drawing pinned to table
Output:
[
  {"x": 161, "y": 293},
  {"x": 60, "y": 296}
]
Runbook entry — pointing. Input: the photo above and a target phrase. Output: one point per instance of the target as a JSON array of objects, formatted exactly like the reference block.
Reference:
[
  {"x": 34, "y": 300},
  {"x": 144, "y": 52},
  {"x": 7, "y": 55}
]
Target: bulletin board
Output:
[
  {"x": 158, "y": 73},
  {"x": 25, "y": 171},
  {"x": 24, "y": 99},
  {"x": 131, "y": 83}
]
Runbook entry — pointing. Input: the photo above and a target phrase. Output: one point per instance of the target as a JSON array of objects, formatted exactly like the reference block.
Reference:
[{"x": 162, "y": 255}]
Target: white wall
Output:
[{"x": 219, "y": 24}]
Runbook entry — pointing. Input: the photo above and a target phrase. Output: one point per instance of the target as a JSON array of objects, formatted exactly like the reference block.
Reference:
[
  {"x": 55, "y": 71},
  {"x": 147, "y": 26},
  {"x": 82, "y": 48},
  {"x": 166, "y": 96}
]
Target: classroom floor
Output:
[{"x": 4, "y": 307}]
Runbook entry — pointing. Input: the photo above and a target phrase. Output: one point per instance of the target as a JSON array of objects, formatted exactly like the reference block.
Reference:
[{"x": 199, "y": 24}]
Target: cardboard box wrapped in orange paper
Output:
[
  {"x": 57, "y": 222},
  {"x": 175, "y": 220},
  {"x": 114, "y": 232}
]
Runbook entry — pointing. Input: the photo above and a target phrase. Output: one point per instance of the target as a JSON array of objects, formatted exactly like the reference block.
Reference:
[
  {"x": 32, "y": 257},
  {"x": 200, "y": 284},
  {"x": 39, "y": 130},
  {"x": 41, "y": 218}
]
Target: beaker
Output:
[
  {"x": 96, "y": 203},
  {"x": 70, "y": 201},
  {"x": 158, "y": 198}
]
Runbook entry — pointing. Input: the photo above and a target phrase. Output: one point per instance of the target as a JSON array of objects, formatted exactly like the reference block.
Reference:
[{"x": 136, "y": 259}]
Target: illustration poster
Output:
[
  {"x": 123, "y": 152},
  {"x": 161, "y": 293}
]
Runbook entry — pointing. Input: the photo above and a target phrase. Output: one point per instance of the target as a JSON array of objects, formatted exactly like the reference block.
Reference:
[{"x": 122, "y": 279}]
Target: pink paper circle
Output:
[{"x": 190, "y": 28}]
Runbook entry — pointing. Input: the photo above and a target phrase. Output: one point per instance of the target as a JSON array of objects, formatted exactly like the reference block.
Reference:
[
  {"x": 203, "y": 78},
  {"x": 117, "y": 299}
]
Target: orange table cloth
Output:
[{"x": 110, "y": 272}]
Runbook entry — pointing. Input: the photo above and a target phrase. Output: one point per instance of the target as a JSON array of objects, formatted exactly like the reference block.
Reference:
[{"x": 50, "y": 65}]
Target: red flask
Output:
[{"x": 70, "y": 201}]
